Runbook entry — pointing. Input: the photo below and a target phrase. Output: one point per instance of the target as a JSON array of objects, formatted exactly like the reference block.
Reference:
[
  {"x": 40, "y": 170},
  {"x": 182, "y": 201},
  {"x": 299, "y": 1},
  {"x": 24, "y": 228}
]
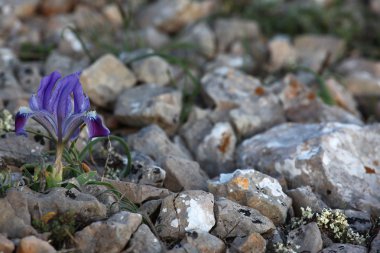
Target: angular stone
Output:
[
  {"x": 307, "y": 237},
  {"x": 143, "y": 240},
  {"x": 282, "y": 53},
  {"x": 153, "y": 141},
  {"x": 344, "y": 248},
  {"x": 171, "y": 16},
  {"x": 359, "y": 221},
  {"x": 113, "y": 14},
  {"x": 32, "y": 244},
  {"x": 53, "y": 7},
  {"x": 105, "y": 79},
  {"x": 305, "y": 197},
  {"x": 253, "y": 243},
  {"x": 312, "y": 50},
  {"x": 254, "y": 189},
  {"x": 24, "y": 9},
  {"x": 202, "y": 37},
  {"x": 339, "y": 161},
  {"x": 187, "y": 211},
  {"x": 230, "y": 30},
  {"x": 64, "y": 64},
  {"x": 150, "y": 104},
  {"x": 138, "y": 193},
  {"x": 375, "y": 244},
  {"x": 101, "y": 193},
  {"x": 183, "y": 174},
  {"x": 154, "y": 70},
  {"x": 6, "y": 245},
  {"x": 227, "y": 88},
  {"x": 244, "y": 220},
  {"x": 108, "y": 236},
  {"x": 145, "y": 171},
  {"x": 204, "y": 242}
]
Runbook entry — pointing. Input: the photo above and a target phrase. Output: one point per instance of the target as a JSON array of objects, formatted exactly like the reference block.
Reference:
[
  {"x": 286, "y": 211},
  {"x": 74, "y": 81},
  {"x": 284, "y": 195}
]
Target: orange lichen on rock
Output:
[{"x": 242, "y": 182}]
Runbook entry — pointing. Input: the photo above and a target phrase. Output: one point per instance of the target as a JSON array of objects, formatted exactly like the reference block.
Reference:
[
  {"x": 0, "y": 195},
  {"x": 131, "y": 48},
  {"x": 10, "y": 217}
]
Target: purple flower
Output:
[{"x": 61, "y": 107}]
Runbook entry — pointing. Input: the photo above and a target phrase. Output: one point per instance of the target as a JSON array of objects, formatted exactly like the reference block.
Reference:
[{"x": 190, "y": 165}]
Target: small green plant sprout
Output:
[{"x": 62, "y": 108}]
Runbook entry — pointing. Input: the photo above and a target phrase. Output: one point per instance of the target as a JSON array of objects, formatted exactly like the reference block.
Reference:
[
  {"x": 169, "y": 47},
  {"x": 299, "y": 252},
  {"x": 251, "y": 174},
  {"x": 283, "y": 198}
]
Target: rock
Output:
[
  {"x": 202, "y": 37},
  {"x": 64, "y": 64},
  {"x": 253, "y": 189},
  {"x": 153, "y": 69},
  {"x": 148, "y": 37},
  {"x": 153, "y": 142},
  {"x": 18, "y": 150},
  {"x": 53, "y": 7},
  {"x": 359, "y": 221},
  {"x": 301, "y": 104},
  {"x": 204, "y": 242},
  {"x": 235, "y": 220},
  {"x": 230, "y": 30},
  {"x": 6, "y": 245},
  {"x": 242, "y": 62},
  {"x": 172, "y": 16},
  {"x": 24, "y": 9},
  {"x": 305, "y": 197},
  {"x": 188, "y": 211},
  {"x": 227, "y": 88},
  {"x": 337, "y": 160},
  {"x": 29, "y": 76},
  {"x": 32, "y": 244},
  {"x": 108, "y": 236},
  {"x": 138, "y": 193},
  {"x": 375, "y": 244},
  {"x": 313, "y": 50},
  {"x": 183, "y": 174},
  {"x": 102, "y": 194},
  {"x": 8, "y": 58},
  {"x": 145, "y": 171},
  {"x": 85, "y": 17},
  {"x": 113, "y": 14},
  {"x": 307, "y": 237},
  {"x": 143, "y": 240},
  {"x": 150, "y": 104},
  {"x": 375, "y": 6},
  {"x": 105, "y": 79},
  {"x": 282, "y": 53},
  {"x": 150, "y": 208},
  {"x": 253, "y": 243},
  {"x": 345, "y": 248},
  {"x": 10, "y": 89}
]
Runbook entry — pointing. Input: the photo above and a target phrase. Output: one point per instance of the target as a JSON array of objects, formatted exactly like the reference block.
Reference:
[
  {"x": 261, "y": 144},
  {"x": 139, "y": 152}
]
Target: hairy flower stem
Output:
[{"x": 58, "y": 165}]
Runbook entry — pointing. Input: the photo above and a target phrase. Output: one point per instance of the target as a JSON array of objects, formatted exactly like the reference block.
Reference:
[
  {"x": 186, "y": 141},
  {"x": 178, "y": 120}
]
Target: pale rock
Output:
[
  {"x": 29, "y": 76},
  {"x": 32, "y": 244},
  {"x": 306, "y": 238},
  {"x": 112, "y": 13},
  {"x": 143, "y": 240},
  {"x": 53, "y": 7},
  {"x": 154, "y": 70},
  {"x": 344, "y": 248},
  {"x": 204, "y": 242},
  {"x": 6, "y": 245},
  {"x": 64, "y": 64},
  {"x": 22, "y": 8},
  {"x": 105, "y": 79},
  {"x": 253, "y": 243},
  {"x": 202, "y": 37},
  {"x": 305, "y": 197},
  {"x": 282, "y": 53}
]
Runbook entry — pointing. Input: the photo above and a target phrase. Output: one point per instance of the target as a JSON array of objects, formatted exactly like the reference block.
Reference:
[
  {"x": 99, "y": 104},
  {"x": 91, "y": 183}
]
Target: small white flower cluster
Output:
[
  {"x": 335, "y": 223},
  {"x": 306, "y": 216},
  {"x": 285, "y": 248},
  {"x": 6, "y": 121}
]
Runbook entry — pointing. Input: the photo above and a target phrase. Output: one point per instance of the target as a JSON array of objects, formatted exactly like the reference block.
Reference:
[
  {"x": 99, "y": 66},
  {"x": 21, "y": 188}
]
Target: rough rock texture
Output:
[
  {"x": 375, "y": 244},
  {"x": 305, "y": 197},
  {"x": 143, "y": 240},
  {"x": 105, "y": 79},
  {"x": 344, "y": 248},
  {"x": 187, "y": 211},
  {"x": 29, "y": 76},
  {"x": 103, "y": 196},
  {"x": 204, "y": 242},
  {"x": 359, "y": 221},
  {"x": 202, "y": 37},
  {"x": 150, "y": 104},
  {"x": 171, "y": 16},
  {"x": 138, "y": 193},
  {"x": 6, "y": 245},
  {"x": 307, "y": 237},
  {"x": 253, "y": 243},
  {"x": 254, "y": 189},
  {"x": 244, "y": 220},
  {"x": 108, "y": 236},
  {"x": 282, "y": 53},
  {"x": 154, "y": 70},
  {"x": 32, "y": 244},
  {"x": 183, "y": 174},
  {"x": 64, "y": 64},
  {"x": 339, "y": 161}
]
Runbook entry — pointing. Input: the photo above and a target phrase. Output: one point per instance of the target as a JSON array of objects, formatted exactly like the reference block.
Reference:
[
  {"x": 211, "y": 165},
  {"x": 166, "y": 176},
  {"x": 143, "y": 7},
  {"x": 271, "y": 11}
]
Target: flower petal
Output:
[
  {"x": 81, "y": 101},
  {"x": 44, "y": 92},
  {"x": 71, "y": 126},
  {"x": 95, "y": 125},
  {"x": 22, "y": 117}
]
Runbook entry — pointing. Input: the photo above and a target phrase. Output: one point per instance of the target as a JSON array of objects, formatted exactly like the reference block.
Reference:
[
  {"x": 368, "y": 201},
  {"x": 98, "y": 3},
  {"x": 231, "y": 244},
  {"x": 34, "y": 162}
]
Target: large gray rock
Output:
[
  {"x": 339, "y": 161},
  {"x": 187, "y": 211},
  {"x": 254, "y": 189},
  {"x": 204, "y": 242},
  {"x": 171, "y": 16},
  {"x": 108, "y": 236},
  {"x": 359, "y": 221},
  {"x": 344, "y": 248},
  {"x": 282, "y": 53},
  {"x": 244, "y": 220},
  {"x": 154, "y": 70},
  {"x": 375, "y": 244},
  {"x": 202, "y": 37},
  {"x": 183, "y": 174},
  {"x": 304, "y": 197},
  {"x": 306, "y": 238},
  {"x": 150, "y": 104},
  {"x": 105, "y": 79},
  {"x": 143, "y": 240},
  {"x": 64, "y": 64}
]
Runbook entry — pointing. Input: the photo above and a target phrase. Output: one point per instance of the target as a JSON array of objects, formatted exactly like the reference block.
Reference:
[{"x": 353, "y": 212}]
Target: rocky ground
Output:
[{"x": 248, "y": 132}]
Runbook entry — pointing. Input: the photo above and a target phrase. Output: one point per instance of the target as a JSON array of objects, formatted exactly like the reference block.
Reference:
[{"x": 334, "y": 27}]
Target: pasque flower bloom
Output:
[{"x": 61, "y": 107}]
